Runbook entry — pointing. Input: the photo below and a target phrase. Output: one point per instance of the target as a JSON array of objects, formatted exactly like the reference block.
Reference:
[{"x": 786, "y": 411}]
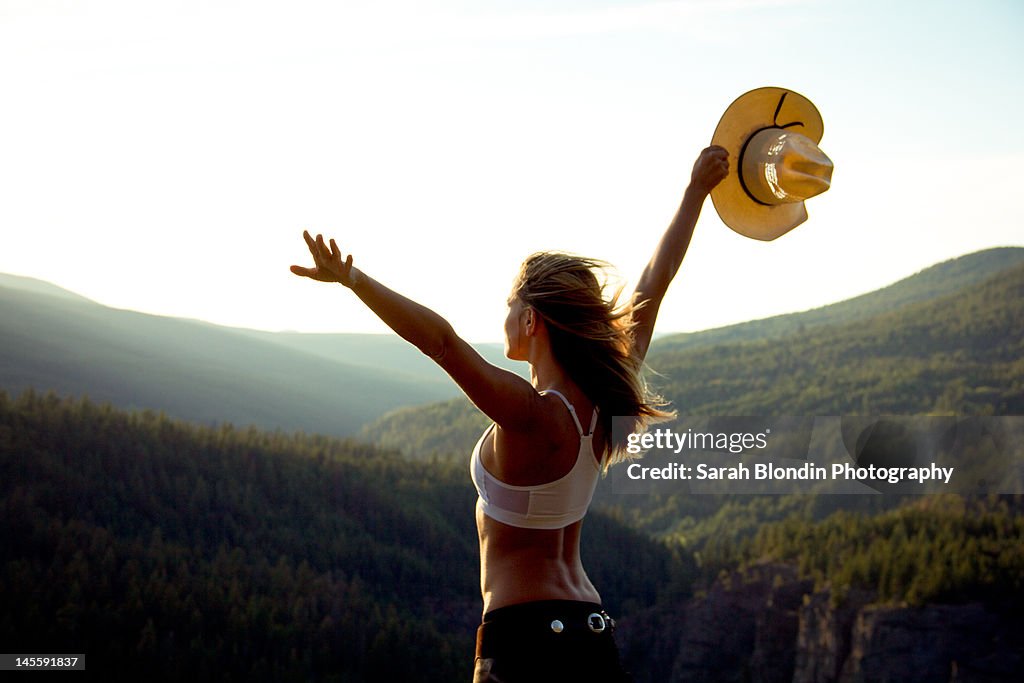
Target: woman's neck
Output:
[{"x": 546, "y": 373}]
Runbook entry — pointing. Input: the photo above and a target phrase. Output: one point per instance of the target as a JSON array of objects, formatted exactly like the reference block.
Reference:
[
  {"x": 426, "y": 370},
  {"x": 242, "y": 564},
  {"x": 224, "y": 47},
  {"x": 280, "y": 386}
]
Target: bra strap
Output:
[
  {"x": 572, "y": 411},
  {"x": 593, "y": 422}
]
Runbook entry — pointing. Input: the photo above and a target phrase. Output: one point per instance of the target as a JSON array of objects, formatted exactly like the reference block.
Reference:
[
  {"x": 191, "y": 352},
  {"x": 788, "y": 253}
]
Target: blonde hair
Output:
[{"x": 592, "y": 339}]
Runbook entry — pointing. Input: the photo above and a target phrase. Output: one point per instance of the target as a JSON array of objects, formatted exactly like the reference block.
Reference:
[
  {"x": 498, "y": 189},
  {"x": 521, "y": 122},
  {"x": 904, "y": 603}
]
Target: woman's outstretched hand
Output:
[
  {"x": 328, "y": 266},
  {"x": 710, "y": 169}
]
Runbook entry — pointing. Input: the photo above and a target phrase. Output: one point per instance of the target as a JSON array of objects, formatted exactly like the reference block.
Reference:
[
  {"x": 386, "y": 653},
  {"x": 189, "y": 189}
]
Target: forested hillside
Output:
[
  {"x": 828, "y": 562},
  {"x": 446, "y": 430},
  {"x": 54, "y": 340},
  {"x": 167, "y": 551},
  {"x": 170, "y": 550},
  {"x": 962, "y": 353},
  {"x": 935, "y": 282}
]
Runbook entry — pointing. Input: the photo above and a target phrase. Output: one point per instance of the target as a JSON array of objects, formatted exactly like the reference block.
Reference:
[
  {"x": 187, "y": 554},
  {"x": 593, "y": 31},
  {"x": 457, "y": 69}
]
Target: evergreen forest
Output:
[
  {"x": 167, "y": 549},
  {"x": 164, "y": 550}
]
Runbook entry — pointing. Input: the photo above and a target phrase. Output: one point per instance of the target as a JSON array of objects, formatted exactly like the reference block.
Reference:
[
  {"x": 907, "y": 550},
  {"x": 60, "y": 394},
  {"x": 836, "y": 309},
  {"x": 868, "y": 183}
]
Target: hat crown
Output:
[
  {"x": 770, "y": 176},
  {"x": 781, "y": 167}
]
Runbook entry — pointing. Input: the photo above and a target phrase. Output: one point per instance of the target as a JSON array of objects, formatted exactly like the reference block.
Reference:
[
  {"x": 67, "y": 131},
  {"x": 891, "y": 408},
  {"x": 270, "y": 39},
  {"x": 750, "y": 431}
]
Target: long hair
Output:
[{"x": 592, "y": 339}]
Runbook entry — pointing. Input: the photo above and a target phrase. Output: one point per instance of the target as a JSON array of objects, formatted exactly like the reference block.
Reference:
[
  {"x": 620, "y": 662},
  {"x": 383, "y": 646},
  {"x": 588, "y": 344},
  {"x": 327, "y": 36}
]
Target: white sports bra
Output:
[{"x": 552, "y": 505}]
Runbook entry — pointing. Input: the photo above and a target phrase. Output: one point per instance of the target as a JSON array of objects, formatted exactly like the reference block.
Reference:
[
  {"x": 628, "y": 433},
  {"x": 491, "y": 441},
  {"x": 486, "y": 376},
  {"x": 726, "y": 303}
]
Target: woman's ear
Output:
[{"x": 533, "y": 321}]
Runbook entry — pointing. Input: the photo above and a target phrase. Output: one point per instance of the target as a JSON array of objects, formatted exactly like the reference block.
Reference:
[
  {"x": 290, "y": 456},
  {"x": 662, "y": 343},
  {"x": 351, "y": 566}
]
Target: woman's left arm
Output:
[{"x": 710, "y": 168}]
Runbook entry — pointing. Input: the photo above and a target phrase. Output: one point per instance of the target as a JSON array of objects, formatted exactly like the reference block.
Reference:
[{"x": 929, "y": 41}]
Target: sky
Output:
[{"x": 165, "y": 156}]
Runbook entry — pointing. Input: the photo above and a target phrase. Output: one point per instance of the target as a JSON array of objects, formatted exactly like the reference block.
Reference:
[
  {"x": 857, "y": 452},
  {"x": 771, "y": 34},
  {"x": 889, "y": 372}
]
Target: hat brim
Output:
[{"x": 749, "y": 113}]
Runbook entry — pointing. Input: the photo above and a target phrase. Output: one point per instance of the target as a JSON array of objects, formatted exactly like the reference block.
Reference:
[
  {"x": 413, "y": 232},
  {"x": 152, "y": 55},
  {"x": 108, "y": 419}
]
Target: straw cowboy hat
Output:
[{"x": 772, "y": 137}]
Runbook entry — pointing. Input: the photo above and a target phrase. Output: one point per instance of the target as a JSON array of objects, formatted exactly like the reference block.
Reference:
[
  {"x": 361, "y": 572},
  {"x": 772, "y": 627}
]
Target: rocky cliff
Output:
[{"x": 766, "y": 625}]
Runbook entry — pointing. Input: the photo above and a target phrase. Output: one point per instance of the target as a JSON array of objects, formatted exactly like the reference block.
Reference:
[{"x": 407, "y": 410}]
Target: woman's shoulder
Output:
[{"x": 542, "y": 453}]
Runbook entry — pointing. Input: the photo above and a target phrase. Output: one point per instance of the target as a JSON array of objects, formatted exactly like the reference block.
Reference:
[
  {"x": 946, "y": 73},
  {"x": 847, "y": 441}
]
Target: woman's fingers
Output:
[
  {"x": 331, "y": 254},
  {"x": 321, "y": 256},
  {"x": 321, "y": 248},
  {"x": 309, "y": 242},
  {"x": 328, "y": 260}
]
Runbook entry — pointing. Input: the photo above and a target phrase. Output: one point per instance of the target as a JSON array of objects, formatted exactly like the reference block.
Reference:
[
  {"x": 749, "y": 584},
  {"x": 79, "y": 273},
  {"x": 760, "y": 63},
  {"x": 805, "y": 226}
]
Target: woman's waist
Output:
[{"x": 523, "y": 578}]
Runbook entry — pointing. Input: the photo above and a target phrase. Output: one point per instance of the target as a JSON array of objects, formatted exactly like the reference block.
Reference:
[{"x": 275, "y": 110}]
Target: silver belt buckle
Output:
[{"x": 596, "y": 622}]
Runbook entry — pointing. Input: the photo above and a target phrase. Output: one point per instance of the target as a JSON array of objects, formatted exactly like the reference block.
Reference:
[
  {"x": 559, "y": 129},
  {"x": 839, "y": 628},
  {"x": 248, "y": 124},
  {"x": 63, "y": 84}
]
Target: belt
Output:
[
  {"x": 551, "y": 620},
  {"x": 597, "y": 622}
]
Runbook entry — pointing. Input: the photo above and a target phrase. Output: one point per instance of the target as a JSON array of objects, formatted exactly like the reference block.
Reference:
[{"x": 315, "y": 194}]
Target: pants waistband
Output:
[{"x": 541, "y": 609}]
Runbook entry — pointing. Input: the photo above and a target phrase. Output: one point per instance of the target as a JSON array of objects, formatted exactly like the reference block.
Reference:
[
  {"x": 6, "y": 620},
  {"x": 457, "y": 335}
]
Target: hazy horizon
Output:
[
  {"x": 166, "y": 159},
  {"x": 482, "y": 342}
]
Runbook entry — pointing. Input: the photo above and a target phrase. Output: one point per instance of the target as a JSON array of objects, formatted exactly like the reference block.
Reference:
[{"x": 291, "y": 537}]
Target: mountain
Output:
[
  {"x": 447, "y": 429},
  {"x": 816, "y": 587},
  {"x": 387, "y": 352},
  {"x": 960, "y": 353},
  {"x": 52, "y": 339},
  {"x": 931, "y": 283},
  {"x": 197, "y": 552},
  {"x": 171, "y": 551},
  {"x": 949, "y": 339},
  {"x": 31, "y": 284}
]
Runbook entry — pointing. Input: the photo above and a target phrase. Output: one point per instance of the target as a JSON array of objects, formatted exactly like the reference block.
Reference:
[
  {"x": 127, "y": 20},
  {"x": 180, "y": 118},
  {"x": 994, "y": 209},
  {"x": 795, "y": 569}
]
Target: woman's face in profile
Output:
[{"x": 513, "y": 329}]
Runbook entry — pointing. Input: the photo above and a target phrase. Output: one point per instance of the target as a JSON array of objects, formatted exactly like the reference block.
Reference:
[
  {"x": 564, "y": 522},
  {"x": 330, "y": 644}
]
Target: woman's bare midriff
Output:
[{"x": 522, "y": 565}]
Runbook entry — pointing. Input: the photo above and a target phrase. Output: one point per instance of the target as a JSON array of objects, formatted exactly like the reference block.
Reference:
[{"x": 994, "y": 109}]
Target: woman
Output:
[{"x": 536, "y": 467}]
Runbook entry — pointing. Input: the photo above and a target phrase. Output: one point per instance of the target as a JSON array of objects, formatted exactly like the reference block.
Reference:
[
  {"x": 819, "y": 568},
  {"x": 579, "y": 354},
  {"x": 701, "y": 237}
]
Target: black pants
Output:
[{"x": 549, "y": 640}]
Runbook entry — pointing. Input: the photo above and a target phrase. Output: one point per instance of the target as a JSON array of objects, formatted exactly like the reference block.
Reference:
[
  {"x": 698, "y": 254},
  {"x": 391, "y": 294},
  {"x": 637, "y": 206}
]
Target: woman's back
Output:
[{"x": 534, "y": 491}]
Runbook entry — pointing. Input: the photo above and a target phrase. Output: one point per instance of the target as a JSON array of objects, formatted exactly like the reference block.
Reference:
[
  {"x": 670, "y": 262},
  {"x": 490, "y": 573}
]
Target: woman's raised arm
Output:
[
  {"x": 504, "y": 396},
  {"x": 710, "y": 168}
]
